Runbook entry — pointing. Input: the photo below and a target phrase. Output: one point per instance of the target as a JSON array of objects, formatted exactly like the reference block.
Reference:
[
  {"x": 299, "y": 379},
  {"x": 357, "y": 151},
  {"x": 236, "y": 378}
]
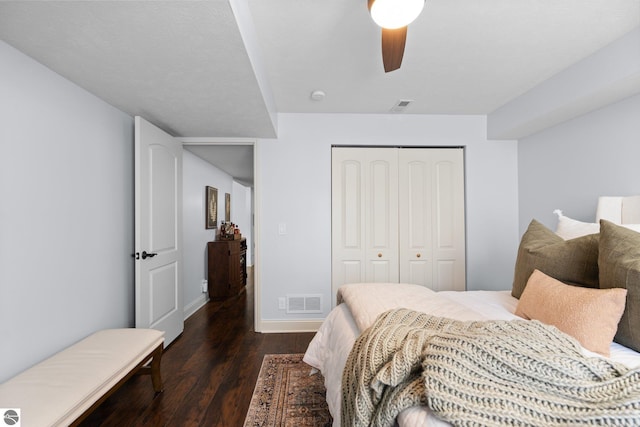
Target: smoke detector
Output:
[
  {"x": 401, "y": 105},
  {"x": 317, "y": 95}
]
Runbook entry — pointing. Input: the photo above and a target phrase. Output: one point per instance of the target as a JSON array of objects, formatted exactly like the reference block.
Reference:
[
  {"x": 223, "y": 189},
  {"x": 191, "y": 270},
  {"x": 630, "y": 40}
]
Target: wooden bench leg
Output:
[
  {"x": 154, "y": 369},
  {"x": 156, "y": 376}
]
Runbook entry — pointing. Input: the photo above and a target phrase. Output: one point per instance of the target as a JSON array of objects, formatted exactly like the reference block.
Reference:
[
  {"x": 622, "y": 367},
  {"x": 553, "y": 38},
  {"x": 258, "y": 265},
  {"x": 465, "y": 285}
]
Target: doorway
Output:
[{"x": 227, "y": 164}]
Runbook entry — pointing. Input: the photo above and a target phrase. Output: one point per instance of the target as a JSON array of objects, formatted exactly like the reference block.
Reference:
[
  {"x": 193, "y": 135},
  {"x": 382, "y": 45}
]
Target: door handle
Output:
[{"x": 146, "y": 255}]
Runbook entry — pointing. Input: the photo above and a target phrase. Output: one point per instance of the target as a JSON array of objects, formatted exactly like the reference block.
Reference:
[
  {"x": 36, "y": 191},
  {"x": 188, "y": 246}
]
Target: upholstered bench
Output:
[{"x": 63, "y": 389}]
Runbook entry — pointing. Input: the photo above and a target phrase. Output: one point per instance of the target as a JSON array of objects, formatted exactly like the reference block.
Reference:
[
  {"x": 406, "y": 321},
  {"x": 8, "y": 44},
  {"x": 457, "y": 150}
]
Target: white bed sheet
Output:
[{"x": 329, "y": 349}]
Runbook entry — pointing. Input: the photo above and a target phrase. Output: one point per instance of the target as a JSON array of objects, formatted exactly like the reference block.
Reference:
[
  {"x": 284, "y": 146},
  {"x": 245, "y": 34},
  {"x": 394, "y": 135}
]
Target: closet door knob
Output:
[
  {"x": 418, "y": 255},
  {"x": 379, "y": 255}
]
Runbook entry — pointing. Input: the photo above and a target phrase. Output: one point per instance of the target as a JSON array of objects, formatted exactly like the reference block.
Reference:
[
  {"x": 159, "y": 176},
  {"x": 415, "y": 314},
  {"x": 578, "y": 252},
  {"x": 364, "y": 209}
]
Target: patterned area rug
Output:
[{"x": 287, "y": 396}]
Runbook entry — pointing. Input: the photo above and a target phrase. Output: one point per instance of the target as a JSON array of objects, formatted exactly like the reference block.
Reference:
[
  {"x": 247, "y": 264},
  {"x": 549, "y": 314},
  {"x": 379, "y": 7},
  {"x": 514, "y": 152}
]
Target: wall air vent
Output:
[
  {"x": 401, "y": 105},
  {"x": 304, "y": 304}
]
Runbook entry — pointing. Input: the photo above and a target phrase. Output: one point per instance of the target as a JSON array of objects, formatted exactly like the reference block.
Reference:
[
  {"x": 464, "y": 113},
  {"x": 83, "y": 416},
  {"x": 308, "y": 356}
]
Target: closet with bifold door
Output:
[{"x": 397, "y": 215}]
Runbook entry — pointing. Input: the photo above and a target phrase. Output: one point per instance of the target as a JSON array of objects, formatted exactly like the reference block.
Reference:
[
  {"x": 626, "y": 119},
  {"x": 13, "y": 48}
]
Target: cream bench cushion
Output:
[{"x": 60, "y": 389}]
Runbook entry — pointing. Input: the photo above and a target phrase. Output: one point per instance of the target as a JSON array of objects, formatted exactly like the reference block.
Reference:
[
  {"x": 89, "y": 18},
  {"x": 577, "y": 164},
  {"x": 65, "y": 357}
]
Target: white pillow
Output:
[{"x": 569, "y": 228}]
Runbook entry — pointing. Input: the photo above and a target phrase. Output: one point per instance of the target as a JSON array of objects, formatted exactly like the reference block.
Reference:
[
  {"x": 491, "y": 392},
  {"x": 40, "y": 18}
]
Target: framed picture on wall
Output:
[
  {"x": 212, "y": 208},
  {"x": 227, "y": 207}
]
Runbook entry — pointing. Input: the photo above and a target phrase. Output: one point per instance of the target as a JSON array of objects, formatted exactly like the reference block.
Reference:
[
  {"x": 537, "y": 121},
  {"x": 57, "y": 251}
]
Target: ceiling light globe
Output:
[{"x": 392, "y": 14}]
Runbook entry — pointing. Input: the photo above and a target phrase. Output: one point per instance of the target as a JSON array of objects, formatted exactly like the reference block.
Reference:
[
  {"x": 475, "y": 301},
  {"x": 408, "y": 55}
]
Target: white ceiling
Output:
[
  {"x": 223, "y": 68},
  {"x": 461, "y": 56},
  {"x": 236, "y": 160}
]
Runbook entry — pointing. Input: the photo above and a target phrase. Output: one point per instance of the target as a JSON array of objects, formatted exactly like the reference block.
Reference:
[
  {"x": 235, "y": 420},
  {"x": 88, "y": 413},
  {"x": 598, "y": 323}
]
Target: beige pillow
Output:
[
  {"x": 572, "y": 261},
  {"x": 619, "y": 263},
  {"x": 589, "y": 315}
]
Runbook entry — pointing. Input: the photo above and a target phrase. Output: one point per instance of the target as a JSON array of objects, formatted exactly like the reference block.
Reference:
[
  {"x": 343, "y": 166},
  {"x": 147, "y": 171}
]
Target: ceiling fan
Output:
[{"x": 393, "y": 16}]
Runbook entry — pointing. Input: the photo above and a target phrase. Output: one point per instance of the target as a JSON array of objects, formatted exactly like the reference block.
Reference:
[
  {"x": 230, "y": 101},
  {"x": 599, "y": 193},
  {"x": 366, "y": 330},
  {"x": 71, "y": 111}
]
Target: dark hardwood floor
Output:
[{"x": 209, "y": 372}]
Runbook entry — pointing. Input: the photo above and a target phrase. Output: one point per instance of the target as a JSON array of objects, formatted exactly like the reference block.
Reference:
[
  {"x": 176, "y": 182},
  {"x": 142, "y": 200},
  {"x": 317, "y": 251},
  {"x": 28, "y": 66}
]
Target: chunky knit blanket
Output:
[{"x": 482, "y": 373}]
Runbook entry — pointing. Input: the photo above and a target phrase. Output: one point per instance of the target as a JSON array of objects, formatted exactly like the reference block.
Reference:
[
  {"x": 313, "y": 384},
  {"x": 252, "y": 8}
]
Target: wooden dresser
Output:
[{"x": 227, "y": 264}]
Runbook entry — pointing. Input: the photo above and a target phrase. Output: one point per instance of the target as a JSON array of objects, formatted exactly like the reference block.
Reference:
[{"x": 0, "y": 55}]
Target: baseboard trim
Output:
[
  {"x": 195, "y": 305},
  {"x": 274, "y": 326}
]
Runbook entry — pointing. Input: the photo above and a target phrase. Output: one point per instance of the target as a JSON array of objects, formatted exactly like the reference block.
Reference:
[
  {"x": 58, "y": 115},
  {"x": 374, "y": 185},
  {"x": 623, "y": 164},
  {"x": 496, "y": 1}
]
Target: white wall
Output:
[
  {"x": 66, "y": 213},
  {"x": 295, "y": 189},
  {"x": 242, "y": 214},
  {"x": 570, "y": 165}
]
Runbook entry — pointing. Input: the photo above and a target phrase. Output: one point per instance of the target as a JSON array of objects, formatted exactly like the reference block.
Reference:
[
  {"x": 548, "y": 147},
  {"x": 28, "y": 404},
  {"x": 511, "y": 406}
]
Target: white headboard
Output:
[{"x": 619, "y": 210}]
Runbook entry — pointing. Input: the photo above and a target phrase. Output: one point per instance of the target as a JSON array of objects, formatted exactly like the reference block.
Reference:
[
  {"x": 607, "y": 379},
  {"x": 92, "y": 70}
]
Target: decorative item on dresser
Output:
[{"x": 227, "y": 264}]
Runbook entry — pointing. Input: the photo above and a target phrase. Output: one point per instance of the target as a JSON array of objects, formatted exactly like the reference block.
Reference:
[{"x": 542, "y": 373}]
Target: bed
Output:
[{"x": 586, "y": 288}]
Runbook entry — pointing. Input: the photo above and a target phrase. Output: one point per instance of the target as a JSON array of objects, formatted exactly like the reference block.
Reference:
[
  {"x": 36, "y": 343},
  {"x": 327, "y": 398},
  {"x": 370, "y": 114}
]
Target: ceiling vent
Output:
[{"x": 401, "y": 105}]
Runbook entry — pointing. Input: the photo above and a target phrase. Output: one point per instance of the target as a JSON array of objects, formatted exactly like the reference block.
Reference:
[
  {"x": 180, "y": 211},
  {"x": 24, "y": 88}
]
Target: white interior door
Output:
[
  {"x": 431, "y": 206},
  {"x": 158, "y": 230},
  {"x": 364, "y": 215},
  {"x": 416, "y": 217},
  {"x": 381, "y": 214},
  {"x": 347, "y": 222}
]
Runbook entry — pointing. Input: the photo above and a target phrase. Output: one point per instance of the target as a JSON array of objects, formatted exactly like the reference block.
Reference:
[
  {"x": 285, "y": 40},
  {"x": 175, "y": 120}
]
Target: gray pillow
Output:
[
  {"x": 619, "y": 264},
  {"x": 574, "y": 262}
]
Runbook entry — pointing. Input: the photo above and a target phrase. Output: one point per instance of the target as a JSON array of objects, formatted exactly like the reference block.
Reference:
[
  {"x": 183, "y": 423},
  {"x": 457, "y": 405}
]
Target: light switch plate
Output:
[{"x": 282, "y": 228}]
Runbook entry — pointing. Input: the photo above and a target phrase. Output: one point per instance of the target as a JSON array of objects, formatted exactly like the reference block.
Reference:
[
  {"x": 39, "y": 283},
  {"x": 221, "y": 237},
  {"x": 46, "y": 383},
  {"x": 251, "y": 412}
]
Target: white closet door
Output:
[
  {"x": 347, "y": 218},
  {"x": 431, "y": 219},
  {"x": 364, "y": 215},
  {"x": 381, "y": 215}
]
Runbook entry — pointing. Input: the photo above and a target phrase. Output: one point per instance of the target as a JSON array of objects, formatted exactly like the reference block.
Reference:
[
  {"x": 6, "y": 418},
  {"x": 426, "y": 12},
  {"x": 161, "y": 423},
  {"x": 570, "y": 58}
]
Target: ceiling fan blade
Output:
[{"x": 393, "y": 42}]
